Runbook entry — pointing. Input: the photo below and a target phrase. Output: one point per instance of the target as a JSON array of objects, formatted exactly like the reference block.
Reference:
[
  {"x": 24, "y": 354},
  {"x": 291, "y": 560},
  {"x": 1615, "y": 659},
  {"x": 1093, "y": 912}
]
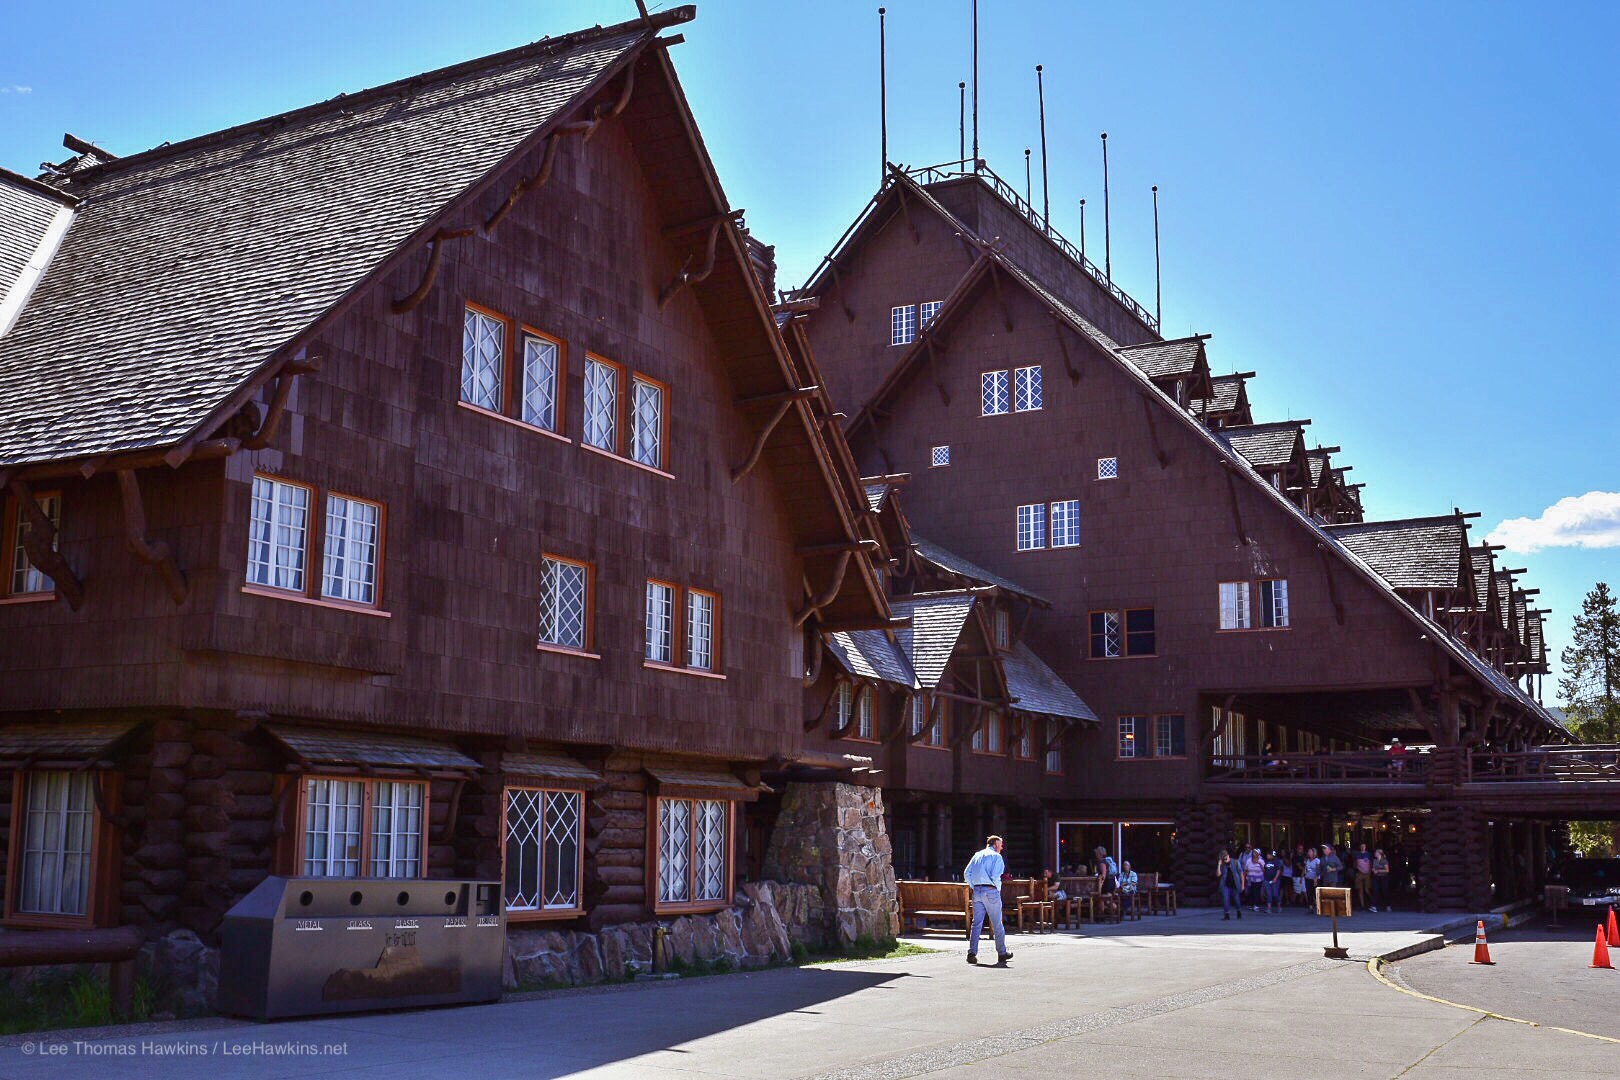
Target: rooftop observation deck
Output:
[
  {"x": 952, "y": 170},
  {"x": 1555, "y": 779}
]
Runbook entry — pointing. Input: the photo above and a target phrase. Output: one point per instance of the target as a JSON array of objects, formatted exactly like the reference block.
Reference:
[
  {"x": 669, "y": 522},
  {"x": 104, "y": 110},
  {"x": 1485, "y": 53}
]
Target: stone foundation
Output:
[{"x": 833, "y": 836}]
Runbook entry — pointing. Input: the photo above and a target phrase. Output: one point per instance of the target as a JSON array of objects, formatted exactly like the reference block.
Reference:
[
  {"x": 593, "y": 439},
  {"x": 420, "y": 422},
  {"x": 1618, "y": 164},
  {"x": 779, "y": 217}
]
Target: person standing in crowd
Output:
[
  {"x": 1254, "y": 877},
  {"x": 1273, "y": 883},
  {"x": 1229, "y": 879},
  {"x": 1397, "y": 757},
  {"x": 1285, "y": 884},
  {"x": 1380, "y": 880},
  {"x": 1363, "y": 865},
  {"x": 1313, "y": 876},
  {"x": 1105, "y": 862},
  {"x": 1332, "y": 867},
  {"x": 983, "y": 876}
]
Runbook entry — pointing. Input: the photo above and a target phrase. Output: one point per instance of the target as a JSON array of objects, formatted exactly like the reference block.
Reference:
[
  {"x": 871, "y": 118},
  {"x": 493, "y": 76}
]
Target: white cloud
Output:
[
  {"x": 16, "y": 89},
  {"x": 1586, "y": 521}
]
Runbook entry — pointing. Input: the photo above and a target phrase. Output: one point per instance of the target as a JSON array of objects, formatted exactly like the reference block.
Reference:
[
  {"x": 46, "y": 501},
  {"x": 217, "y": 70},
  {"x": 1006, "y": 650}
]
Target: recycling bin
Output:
[{"x": 314, "y": 946}]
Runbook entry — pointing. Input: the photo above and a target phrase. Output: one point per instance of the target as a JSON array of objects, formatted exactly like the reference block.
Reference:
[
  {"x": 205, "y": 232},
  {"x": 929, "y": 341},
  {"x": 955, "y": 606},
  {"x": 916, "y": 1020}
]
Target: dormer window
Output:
[{"x": 1003, "y": 629}]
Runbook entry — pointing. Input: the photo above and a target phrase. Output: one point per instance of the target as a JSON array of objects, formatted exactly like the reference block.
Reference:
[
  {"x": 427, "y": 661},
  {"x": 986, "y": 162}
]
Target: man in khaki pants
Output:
[{"x": 983, "y": 876}]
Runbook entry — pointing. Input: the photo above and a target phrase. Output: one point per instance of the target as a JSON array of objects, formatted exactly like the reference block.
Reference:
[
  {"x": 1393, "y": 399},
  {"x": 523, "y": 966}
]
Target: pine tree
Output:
[{"x": 1590, "y": 685}]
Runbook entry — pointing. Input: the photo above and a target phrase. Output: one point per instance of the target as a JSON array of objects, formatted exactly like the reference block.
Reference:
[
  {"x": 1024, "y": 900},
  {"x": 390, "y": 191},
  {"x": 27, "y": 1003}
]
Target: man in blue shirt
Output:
[{"x": 983, "y": 876}]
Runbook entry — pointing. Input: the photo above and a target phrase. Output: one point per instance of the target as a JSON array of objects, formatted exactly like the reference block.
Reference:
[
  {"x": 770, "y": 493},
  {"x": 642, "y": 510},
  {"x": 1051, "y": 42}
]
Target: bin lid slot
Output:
[{"x": 317, "y": 747}]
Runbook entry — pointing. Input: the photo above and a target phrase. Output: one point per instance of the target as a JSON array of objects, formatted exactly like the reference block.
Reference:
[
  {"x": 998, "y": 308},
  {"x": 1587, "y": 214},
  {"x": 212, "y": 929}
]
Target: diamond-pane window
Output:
[
  {"x": 601, "y": 405},
  {"x": 25, "y": 576},
  {"x": 674, "y": 850},
  {"x": 647, "y": 423},
  {"x": 1066, "y": 523},
  {"x": 903, "y": 324},
  {"x": 349, "y": 567},
  {"x": 540, "y": 382},
  {"x": 939, "y": 457},
  {"x": 543, "y": 849},
  {"x": 1108, "y": 468},
  {"x": 1027, "y": 388},
  {"x": 278, "y": 534},
  {"x": 1031, "y": 526},
  {"x": 564, "y": 602},
  {"x": 1105, "y": 635},
  {"x": 483, "y": 352},
  {"x": 993, "y": 399},
  {"x": 709, "y": 855}
]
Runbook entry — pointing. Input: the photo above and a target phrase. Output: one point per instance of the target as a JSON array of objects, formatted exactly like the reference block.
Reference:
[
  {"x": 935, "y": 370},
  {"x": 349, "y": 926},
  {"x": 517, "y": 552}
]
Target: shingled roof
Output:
[
  {"x": 33, "y": 217},
  {"x": 1414, "y": 553},
  {"x": 936, "y": 624},
  {"x": 1226, "y": 395},
  {"x": 1167, "y": 359},
  {"x": 1038, "y": 688},
  {"x": 189, "y": 267},
  {"x": 952, "y": 563},
  {"x": 1266, "y": 446},
  {"x": 869, "y": 654}
]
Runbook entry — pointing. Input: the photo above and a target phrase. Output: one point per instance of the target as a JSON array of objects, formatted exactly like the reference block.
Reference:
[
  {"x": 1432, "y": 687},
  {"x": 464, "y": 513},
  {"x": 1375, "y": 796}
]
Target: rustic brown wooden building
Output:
[
  {"x": 414, "y": 484},
  {"x": 1210, "y": 590}
]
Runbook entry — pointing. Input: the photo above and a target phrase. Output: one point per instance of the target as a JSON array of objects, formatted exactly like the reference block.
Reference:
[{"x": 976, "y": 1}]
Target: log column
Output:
[{"x": 1455, "y": 872}]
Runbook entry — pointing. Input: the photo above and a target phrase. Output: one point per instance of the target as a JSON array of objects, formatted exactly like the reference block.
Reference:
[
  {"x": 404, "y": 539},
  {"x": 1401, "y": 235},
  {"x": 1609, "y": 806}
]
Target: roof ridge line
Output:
[{"x": 366, "y": 96}]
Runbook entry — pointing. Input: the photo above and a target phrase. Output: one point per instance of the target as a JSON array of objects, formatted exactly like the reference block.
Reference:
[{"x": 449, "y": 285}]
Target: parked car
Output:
[{"x": 1591, "y": 882}]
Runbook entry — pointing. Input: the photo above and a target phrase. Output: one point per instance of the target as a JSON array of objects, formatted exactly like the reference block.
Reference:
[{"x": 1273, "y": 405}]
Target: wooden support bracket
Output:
[
  {"x": 40, "y": 544},
  {"x": 155, "y": 553},
  {"x": 1063, "y": 346},
  {"x": 1237, "y": 512},
  {"x": 1001, "y": 299},
  {"x": 1332, "y": 584},
  {"x": 803, "y": 393},
  {"x": 278, "y": 401},
  {"x": 741, "y": 470},
  {"x": 933, "y": 371},
  {"x": 817, "y": 649},
  {"x": 849, "y": 312},
  {"x": 1153, "y": 433},
  {"x": 688, "y": 276},
  {"x": 826, "y": 596},
  {"x": 435, "y": 246},
  {"x": 905, "y": 212}
]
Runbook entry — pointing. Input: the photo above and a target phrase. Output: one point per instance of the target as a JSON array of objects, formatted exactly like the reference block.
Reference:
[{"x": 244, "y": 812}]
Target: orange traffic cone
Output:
[
  {"x": 1600, "y": 951},
  {"x": 1482, "y": 952},
  {"x": 1614, "y": 931}
]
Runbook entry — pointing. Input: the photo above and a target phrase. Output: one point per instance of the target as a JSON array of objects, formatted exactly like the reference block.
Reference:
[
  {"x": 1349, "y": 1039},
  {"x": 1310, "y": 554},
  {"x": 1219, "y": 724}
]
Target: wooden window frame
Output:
[
  {"x": 512, "y": 373},
  {"x": 1091, "y": 635},
  {"x": 621, "y": 377},
  {"x": 102, "y": 902},
  {"x": 716, "y": 662},
  {"x": 1259, "y": 594},
  {"x": 1027, "y": 735},
  {"x": 934, "y": 455},
  {"x": 677, "y": 656},
  {"x": 1018, "y": 540},
  {"x": 1125, "y": 633},
  {"x": 8, "y": 546},
  {"x": 292, "y": 856},
  {"x": 545, "y": 914},
  {"x": 1108, "y": 476},
  {"x": 1006, "y": 374},
  {"x": 1047, "y": 754},
  {"x": 676, "y": 637},
  {"x": 314, "y": 590},
  {"x": 1001, "y": 636},
  {"x": 1255, "y": 626},
  {"x": 989, "y": 749},
  {"x": 663, "y": 421},
  {"x": 590, "y": 610},
  {"x": 624, "y": 416},
  {"x": 898, "y": 316},
  {"x": 1156, "y": 756},
  {"x": 1051, "y": 524},
  {"x": 519, "y": 366},
  {"x": 689, "y": 907},
  {"x": 505, "y": 393},
  {"x": 865, "y": 696},
  {"x": 1136, "y": 736},
  {"x": 1012, "y": 386},
  {"x": 1248, "y": 588},
  {"x": 926, "y": 320}
]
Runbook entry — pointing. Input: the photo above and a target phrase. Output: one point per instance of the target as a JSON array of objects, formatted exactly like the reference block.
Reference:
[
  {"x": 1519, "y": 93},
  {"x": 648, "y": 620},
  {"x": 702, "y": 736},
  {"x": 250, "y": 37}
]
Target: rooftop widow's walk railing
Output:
[{"x": 950, "y": 170}]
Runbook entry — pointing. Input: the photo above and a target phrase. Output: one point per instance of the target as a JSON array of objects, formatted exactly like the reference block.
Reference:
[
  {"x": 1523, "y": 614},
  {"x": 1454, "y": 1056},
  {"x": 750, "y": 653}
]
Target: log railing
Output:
[
  {"x": 1351, "y": 767},
  {"x": 1546, "y": 764}
]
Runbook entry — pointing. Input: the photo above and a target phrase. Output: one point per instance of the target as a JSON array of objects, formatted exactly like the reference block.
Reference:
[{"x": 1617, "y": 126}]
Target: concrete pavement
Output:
[{"x": 1192, "y": 997}]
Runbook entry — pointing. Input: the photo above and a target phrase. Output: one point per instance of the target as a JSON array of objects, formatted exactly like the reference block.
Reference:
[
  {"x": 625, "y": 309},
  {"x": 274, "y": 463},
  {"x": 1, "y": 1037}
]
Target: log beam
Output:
[
  {"x": 826, "y": 596},
  {"x": 40, "y": 544},
  {"x": 754, "y": 453},
  {"x": 155, "y": 553}
]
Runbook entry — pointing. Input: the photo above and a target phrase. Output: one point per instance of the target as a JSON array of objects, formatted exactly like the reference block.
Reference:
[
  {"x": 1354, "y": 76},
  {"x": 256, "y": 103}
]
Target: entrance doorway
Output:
[
  {"x": 1076, "y": 840},
  {"x": 1149, "y": 845}
]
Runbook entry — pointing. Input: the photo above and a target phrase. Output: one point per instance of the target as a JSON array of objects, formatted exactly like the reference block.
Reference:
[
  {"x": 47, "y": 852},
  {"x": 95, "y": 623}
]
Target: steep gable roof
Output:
[
  {"x": 870, "y": 654},
  {"x": 937, "y": 620},
  {"x": 189, "y": 267},
  {"x": 1038, "y": 688},
  {"x": 952, "y": 563},
  {"x": 1228, "y": 394},
  {"x": 1179, "y": 358},
  {"x": 1414, "y": 553},
  {"x": 1268, "y": 446}
]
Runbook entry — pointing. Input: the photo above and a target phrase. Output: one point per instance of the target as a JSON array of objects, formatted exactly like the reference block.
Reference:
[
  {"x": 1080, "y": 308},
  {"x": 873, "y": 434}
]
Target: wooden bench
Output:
[
  {"x": 116, "y": 947},
  {"x": 924, "y": 901}
]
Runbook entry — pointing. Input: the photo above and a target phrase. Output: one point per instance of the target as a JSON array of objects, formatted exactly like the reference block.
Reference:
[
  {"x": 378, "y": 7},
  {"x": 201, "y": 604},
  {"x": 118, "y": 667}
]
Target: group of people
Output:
[
  {"x": 1266, "y": 883},
  {"x": 984, "y": 875}
]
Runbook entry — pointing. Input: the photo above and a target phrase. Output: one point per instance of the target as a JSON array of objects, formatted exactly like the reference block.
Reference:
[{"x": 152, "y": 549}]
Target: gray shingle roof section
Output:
[
  {"x": 1265, "y": 446},
  {"x": 936, "y": 624},
  {"x": 25, "y": 216},
  {"x": 952, "y": 563},
  {"x": 1038, "y": 688},
  {"x": 322, "y": 746},
  {"x": 869, "y": 654},
  {"x": 1227, "y": 391},
  {"x": 875, "y": 494},
  {"x": 1166, "y": 359},
  {"x": 1417, "y": 553},
  {"x": 188, "y": 268},
  {"x": 1319, "y": 462}
]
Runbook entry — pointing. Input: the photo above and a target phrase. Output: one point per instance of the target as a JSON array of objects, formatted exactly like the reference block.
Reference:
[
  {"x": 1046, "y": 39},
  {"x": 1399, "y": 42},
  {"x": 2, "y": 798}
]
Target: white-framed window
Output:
[
  {"x": 1107, "y": 642},
  {"x": 700, "y": 619},
  {"x": 903, "y": 324},
  {"x": 1235, "y": 605},
  {"x": 544, "y": 854},
  {"x": 647, "y": 422},
  {"x": 540, "y": 378},
  {"x": 1274, "y": 603},
  {"x": 1026, "y": 740},
  {"x": 25, "y": 576},
  {"x": 1066, "y": 523},
  {"x": 333, "y": 813},
  {"x": 278, "y": 534},
  {"x": 1031, "y": 526},
  {"x": 694, "y": 843},
  {"x": 919, "y": 713},
  {"x": 57, "y": 843},
  {"x": 993, "y": 731},
  {"x": 939, "y": 457},
  {"x": 1108, "y": 468},
  {"x": 927, "y": 311},
  {"x": 660, "y": 623},
  {"x": 349, "y": 563},
  {"x": 844, "y": 705},
  {"x": 1027, "y": 388},
  {"x": 865, "y": 727},
  {"x": 396, "y": 828},
  {"x": 1003, "y": 625},
  {"x": 1130, "y": 728},
  {"x": 483, "y": 358},
  {"x": 601, "y": 404},
  {"x": 1170, "y": 736},
  {"x": 1054, "y": 753},
  {"x": 994, "y": 399},
  {"x": 565, "y": 602}
]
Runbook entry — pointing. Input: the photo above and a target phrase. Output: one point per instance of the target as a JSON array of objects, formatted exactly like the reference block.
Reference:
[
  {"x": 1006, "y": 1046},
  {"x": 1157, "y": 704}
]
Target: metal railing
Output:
[
  {"x": 1546, "y": 764},
  {"x": 949, "y": 170},
  {"x": 1355, "y": 767}
]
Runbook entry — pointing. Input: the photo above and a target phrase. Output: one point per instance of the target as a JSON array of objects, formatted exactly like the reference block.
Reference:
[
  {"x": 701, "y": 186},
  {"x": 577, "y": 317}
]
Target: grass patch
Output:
[
  {"x": 868, "y": 949},
  {"x": 68, "y": 1000}
]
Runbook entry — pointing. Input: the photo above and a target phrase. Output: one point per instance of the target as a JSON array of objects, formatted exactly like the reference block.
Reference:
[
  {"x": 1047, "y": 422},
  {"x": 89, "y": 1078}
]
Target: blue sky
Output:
[{"x": 1403, "y": 217}]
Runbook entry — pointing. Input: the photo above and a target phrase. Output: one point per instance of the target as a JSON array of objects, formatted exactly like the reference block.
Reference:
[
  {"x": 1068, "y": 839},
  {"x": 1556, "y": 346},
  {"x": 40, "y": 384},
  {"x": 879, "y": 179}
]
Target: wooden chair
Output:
[
  {"x": 923, "y": 902},
  {"x": 1041, "y": 907},
  {"x": 1147, "y": 885},
  {"x": 1167, "y": 896},
  {"x": 1014, "y": 891},
  {"x": 1085, "y": 897},
  {"x": 1106, "y": 907}
]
